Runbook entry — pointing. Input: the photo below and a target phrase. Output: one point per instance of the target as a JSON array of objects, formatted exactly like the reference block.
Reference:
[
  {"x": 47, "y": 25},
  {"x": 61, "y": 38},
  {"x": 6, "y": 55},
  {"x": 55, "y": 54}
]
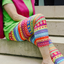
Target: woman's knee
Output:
[
  {"x": 39, "y": 18},
  {"x": 39, "y": 14}
]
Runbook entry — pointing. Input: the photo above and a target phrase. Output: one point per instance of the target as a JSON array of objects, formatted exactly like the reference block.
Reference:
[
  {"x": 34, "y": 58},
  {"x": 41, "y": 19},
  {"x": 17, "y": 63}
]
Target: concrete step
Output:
[
  {"x": 26, "y": 48},
  {"x": 51, "y": 11},
  {"x": 55, "y": 26},
  {"x": 18, "y": 60}
]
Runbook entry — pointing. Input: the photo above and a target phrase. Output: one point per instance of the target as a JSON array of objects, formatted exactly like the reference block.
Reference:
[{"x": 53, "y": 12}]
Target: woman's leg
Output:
[
  {"x": 52, "y": 49},
  {"x": 55, "y": 54},
  {"x": 34, "y": 25},
  {"x": 30, "y": 29},
  {"x": 37, "y": 25}
]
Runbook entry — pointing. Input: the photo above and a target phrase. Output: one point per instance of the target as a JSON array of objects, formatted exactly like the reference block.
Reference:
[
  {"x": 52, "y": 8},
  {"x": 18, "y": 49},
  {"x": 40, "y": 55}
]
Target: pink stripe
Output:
[
  {"x": 40, "y": 18},
  {"x": 53, "y": 50}
]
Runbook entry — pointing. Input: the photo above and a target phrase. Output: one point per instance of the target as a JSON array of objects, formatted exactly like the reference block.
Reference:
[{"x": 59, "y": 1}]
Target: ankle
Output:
[
  {"x": 47, "y": 58},
  {"x": 47, "y": 61}
]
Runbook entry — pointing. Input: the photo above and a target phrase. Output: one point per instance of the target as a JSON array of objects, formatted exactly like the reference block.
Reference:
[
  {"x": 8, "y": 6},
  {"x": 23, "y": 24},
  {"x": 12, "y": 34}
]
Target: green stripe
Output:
[
  {"x": 29, "y": 6},
  {"x": 40, "y": 20},
  {"x": 51, "y": 45},
  {"x": 54, "y": 51}
]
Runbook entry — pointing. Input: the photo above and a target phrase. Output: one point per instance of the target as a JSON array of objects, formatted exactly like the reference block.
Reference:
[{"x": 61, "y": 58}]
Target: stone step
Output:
[
  {"x": 4, "y": 59},
  {"x": 26, "y": 48},
  {"x": 50, "y": 11},
  {"x": 55, "y": 26}
]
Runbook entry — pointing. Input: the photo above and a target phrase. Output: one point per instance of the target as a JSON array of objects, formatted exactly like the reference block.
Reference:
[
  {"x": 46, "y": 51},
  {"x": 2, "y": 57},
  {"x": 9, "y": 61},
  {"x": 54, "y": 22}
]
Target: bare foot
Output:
[
  {"x": 47, "y": 61},
  {"x": 62, "y": 62}
]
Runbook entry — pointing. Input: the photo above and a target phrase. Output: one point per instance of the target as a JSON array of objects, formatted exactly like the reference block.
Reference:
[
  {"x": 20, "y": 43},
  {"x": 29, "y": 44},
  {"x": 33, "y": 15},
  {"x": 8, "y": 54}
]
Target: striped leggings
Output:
[{"x": 34, "y": 29}]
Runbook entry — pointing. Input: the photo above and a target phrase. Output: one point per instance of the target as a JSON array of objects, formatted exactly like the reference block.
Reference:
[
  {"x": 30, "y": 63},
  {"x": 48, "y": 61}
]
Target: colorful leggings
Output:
[{"x": 34, "y": 29}]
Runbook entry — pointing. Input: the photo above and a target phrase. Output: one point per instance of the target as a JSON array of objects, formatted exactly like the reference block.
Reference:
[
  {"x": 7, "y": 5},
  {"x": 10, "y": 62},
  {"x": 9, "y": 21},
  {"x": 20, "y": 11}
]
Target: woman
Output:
[{"x": 20, "y": 25}]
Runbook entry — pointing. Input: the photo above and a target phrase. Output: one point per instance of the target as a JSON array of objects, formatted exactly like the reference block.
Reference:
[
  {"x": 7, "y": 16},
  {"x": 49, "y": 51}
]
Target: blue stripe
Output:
[
  {"x": 60, "y": 61},
  {"x": 17, "y": 34},
  {"x": 29, "y": 25},
  {"x": 57, "y": 61},
  {"x": 41, "y": 31},
  {"x": 50, "y": 42},
  {"x": 32, "y": 39},
  {"x": 41, "y": 35}
]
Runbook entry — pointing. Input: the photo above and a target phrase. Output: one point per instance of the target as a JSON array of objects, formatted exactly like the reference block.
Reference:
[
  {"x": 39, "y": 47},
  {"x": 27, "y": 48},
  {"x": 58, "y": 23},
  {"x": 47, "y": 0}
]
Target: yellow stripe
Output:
[
  {"x": 31, "y": 25},
  {"x": 29, "y": 39},
  {"x": 35, "y": 19},
  {"x": 60, "y": 55},
  {"x": 41, "y": 40},
  {"x": 51, "y": 48},
  {"x": 13, "y": 36},
  {"x": 39, "y": 28}
]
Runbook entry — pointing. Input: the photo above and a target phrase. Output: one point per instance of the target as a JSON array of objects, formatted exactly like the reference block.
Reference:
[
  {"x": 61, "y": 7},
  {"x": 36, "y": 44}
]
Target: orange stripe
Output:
[
  {"x": 35, "y": 42},
  {"x": 51, "y": 48},
  {"x": 35, "y": 19},
  {"x": 41, "y": 38},
  {"x": 25, "y": 27},
  {"x": 20, "y": 32}
]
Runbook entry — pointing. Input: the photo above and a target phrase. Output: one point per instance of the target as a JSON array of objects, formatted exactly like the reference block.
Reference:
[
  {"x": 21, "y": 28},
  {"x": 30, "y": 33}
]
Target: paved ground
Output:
[{"x": 4, "y": 59}]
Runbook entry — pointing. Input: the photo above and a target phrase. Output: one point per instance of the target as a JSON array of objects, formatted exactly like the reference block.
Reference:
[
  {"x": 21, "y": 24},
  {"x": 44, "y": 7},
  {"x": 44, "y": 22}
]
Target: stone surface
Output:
[
  {"x": 50, "y": 11},
  {"x": 26, "y": 48},
  {"x": 18, "y": 60},
  {"x": 19, "y": 48},
  {"x": 55, "y": 27}
]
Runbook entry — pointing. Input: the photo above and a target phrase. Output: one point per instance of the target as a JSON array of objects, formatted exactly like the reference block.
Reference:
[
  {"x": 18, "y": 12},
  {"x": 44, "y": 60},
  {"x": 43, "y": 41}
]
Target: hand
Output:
[{"x": 24, "y": 18}]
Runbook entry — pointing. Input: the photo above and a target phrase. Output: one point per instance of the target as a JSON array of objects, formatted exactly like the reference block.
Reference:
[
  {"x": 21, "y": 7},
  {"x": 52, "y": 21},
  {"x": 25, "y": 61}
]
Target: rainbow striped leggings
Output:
[{"x": 34, "y": 29}]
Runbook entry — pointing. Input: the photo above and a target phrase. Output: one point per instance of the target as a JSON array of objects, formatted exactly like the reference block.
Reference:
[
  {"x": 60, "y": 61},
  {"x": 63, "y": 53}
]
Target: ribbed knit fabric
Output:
[
  {"x": 55, "y": 54},
  {"x": 33, "y": 29}
]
